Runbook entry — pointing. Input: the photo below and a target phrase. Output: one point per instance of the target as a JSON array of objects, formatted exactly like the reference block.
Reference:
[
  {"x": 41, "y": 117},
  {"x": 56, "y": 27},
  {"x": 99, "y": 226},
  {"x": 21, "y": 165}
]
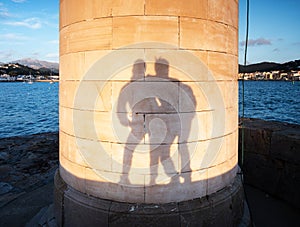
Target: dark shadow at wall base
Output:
[
  {"x": 223, "y": 208},
  {"x": 272, "y": 158}
]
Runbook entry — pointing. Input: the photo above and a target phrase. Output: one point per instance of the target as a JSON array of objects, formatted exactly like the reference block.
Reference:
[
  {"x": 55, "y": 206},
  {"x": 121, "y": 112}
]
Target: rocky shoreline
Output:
[{"x": 26, "y": 163}]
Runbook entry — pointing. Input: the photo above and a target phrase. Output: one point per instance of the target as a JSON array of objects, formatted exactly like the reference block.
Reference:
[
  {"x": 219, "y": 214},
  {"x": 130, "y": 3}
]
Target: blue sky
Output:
[
  {"x": 274, "y": 33},
  {"x": 29, "y": 28}
]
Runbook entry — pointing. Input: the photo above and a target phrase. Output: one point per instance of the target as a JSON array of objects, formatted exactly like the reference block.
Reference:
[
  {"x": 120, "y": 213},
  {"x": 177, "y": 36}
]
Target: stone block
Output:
[
  {"x": 85, "y": 210},
  {"x": 225, "y": 202},
  {"x": 193, "y": 33},
  {"x": 285, "y": 145},
  {"x": 66, "y": 120},
  {"x": 86, "y": 10},
  {"x": 198, "y": 34},
  {"x": 217, "y": 151},
  {"x": 164, "y": 159},
  {"x": 199, "y": 216},
  {"x": 193, "y": 8},
  {"x": 86, "y": 35},
  {"x": 172, "y": 188},
  {"x": 106, "y": 185},
  {"x": 192, "y": 97},
  {"x": 145, "y": 97},
  {"x": 163, "y": 128},
  {"x": 97, "y": 155},
  {"x": 128, "y": 74},
  {"x": 92, "y": 57},
  {"x": 257, "y": 140},
  {"x": 107, "y": 68},
  {"x": 289, "y": 184},
  {"x": 73, "y": 174},
  {"x": 74, "y": 66},
  {"x": 130, "y": 30},
  {"x": 221, "y": 175},
  {"x": 260, "y": 171},
  {"x": 182, "y": 65},
  {"x": 132, "y": 7},
  {"x": 191, "y": 155},
  {"x": 71, "y": 66},
  {"x": 225, "y": 11},
  {"x": 59, "y": 188},
  {"x": 232, "y": 34},
  {"x": 119, "y": 127},
  {"x": 80, "y": 123},
  {"x": 201, "y": 55},
  {"x": 229, "y": 91},
  {"x": 90, "y": 95},
  {"x": 140, "y": 159},
  {"x": 223, "y": 66},
  {"x": 86, "y": 95},
  {"x": 70, "y": 150},
  {"x": 143, "y": 218},
  {"x": 184, "y": 127},
  {"x": 216, "y": 36},
  {"x": 204, "y": 154},
  {"x": 231, "y": 120},
  {"x": 239, "y": 204},
  {"x": 232, "y": 144},
  {"x": 216, "y": 209},
  {"x": 67, "y": 91}
]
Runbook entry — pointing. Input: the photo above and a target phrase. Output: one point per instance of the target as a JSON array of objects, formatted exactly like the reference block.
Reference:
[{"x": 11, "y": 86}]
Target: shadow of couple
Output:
[{"x": 160, "y": 110}]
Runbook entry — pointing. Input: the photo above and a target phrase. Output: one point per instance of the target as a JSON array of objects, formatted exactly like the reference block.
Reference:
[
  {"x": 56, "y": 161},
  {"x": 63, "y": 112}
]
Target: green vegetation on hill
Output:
[
  {"x": 15, "y": 69},
  {"x": 270, "y": 66}
]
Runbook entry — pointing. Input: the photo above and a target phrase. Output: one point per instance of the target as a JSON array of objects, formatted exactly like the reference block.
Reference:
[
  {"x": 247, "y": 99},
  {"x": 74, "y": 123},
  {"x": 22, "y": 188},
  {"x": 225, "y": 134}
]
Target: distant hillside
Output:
[
  {"x": 15, "y": 69},
  {"x": 270, "y": 66},
  {"x": 37, "y": 64}
]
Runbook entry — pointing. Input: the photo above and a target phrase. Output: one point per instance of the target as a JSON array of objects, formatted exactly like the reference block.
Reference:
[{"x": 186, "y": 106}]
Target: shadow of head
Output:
[
  {"x": 162, "y": 67},
  {"x": 138, "y": 69}
]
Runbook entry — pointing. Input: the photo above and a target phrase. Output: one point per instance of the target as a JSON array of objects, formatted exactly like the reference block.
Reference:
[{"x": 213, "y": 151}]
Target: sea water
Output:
[
  {"x": 33, "y": 108},
  {"x": 28, "y": 108},
  {"x": 270, "y": 100}
]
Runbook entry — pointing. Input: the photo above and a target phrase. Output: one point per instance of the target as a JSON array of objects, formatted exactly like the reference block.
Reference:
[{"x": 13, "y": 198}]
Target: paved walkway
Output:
[
  {"x": 21, "y": 210},
  {"x": 268, "y": 211}
]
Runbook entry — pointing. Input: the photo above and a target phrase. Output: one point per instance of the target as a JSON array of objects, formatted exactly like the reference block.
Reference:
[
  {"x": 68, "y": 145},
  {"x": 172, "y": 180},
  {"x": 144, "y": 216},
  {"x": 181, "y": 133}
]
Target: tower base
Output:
[{"x": 223, "y": 208}]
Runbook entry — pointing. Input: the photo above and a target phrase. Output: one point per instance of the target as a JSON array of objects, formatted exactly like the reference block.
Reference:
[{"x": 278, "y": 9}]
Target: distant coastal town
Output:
[
  {"x": 289, "y": 71},
  {"x": 273, "y": 75},
  {"x": 15, "y": 72}
]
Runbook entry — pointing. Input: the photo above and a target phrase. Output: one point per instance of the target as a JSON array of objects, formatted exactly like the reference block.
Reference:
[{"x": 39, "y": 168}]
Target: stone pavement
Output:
[
  {"x": 270, "y": 211},
  {"x": 27, "y": 167},
  {"x": 20, "y": 211}
]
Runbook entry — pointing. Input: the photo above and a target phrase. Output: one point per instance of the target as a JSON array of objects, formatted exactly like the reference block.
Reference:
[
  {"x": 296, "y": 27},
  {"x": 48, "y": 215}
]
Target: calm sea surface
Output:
[
  {"x": 28, "y": 108},
  {"x": 33, "y": 108},
  {"x": 271, "y": 100}
]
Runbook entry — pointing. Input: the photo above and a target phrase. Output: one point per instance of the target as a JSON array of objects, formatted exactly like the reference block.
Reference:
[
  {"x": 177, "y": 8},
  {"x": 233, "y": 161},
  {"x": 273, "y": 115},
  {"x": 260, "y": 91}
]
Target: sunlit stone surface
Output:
[{"x": 148, "y": 98}]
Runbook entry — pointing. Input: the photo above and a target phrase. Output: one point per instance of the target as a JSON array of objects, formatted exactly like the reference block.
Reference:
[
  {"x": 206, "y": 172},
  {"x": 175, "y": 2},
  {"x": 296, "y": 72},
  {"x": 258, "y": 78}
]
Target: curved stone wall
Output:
[{"x": 148, "y": 98}]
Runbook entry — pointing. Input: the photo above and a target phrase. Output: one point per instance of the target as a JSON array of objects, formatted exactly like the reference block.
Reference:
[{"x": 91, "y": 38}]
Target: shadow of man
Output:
[{"x": 176, "y": 124}]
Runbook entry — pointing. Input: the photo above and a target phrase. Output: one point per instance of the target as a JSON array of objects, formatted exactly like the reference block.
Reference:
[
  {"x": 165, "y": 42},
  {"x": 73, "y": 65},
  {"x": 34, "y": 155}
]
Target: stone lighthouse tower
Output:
[{"x": 148, "y": 113}]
